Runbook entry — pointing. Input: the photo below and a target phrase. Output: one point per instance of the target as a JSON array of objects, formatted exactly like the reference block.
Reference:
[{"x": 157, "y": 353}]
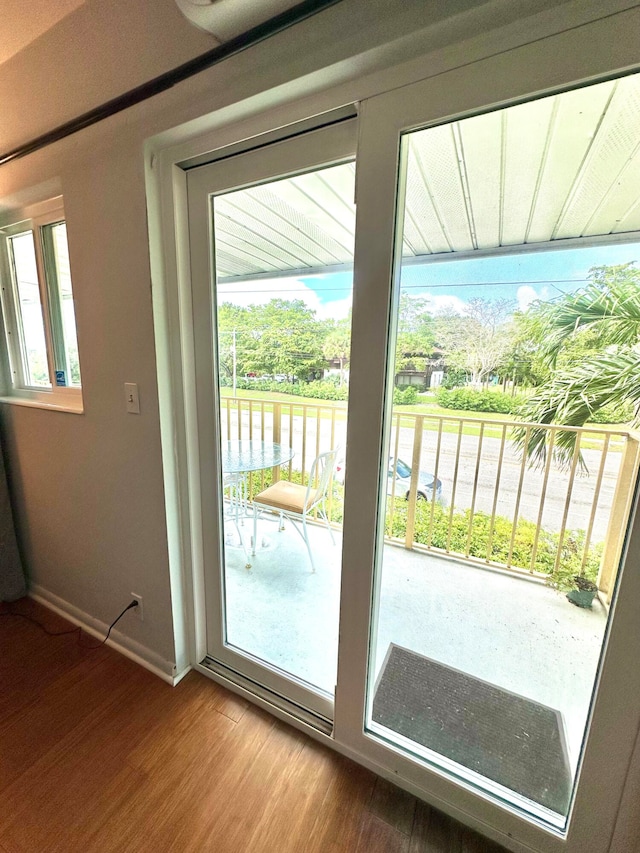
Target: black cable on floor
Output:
[{"x": 77, "y": 630}]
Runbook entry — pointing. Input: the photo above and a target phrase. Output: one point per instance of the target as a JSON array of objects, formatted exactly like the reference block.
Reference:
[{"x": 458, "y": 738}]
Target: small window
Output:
[{"x": 38, "y": 312}]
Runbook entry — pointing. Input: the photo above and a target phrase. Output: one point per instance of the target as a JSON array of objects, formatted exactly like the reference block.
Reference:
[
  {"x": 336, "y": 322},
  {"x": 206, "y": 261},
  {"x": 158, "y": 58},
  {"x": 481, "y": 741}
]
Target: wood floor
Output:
[{"x": 96, "y": 754}]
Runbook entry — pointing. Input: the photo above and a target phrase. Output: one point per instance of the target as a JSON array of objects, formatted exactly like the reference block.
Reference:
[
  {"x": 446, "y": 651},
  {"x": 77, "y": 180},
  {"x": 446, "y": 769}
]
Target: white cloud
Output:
[
  {"x": 262, "y": 291},
  {"x": 527, "y": 294},
  {"x": 446, "y": 304},
  {"x": 337, "y": 309}
]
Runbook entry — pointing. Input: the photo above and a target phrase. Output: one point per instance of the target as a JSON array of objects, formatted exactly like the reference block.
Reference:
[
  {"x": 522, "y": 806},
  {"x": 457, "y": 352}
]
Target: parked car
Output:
[{"x": 401, "y": 473}]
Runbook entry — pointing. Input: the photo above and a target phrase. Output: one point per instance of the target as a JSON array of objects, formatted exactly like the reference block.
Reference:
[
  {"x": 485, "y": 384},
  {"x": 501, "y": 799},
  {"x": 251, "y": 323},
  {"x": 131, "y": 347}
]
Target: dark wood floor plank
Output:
[
  {"x": 28, "y": 665},
  {"x": 472, "y": 842},
  {"x": 37, "y": 727},
  {"x": 434, "y": 832},
  {"x": 393, "y": 805},
  {"x": 377, "y": 836}
]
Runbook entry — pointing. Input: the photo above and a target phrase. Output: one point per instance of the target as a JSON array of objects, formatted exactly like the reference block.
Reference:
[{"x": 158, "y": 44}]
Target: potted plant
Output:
[
  {"x": 580, "y": 590},
  {"x": 583, "y": 593},
  {"x": 570, "y": 577}
]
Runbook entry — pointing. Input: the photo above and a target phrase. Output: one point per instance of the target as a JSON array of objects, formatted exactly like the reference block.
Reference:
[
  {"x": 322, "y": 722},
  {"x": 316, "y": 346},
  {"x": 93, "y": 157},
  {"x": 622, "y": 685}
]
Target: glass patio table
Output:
[{"x": 241, "y": 456}]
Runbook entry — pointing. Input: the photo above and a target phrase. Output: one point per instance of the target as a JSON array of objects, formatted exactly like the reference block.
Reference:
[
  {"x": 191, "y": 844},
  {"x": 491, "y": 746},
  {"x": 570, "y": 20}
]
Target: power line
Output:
[{"x": 349, "y": 288}]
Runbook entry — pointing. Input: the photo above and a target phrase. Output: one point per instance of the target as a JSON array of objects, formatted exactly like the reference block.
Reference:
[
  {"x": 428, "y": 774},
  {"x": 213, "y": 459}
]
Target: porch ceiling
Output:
[{"x": 561, "y": 167}]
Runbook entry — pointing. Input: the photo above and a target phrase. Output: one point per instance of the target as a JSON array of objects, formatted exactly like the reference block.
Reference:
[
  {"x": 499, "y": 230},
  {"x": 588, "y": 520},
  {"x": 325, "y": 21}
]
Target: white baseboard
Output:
[{"x": 145, "y": 657}]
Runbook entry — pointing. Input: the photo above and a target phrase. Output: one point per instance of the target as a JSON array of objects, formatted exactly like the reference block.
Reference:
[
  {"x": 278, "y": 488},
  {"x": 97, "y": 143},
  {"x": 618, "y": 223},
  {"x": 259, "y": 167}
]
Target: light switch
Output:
[{"x": 132, "y": 398}]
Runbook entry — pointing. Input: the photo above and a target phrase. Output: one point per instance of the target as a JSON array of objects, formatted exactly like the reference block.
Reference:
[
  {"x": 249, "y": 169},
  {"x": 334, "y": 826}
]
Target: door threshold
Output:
[{"x": 281, "y": 703}]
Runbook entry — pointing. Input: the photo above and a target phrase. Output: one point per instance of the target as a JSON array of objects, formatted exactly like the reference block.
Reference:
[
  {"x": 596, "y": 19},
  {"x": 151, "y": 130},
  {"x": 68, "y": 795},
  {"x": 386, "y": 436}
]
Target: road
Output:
[{"x": 459, "y": 490}]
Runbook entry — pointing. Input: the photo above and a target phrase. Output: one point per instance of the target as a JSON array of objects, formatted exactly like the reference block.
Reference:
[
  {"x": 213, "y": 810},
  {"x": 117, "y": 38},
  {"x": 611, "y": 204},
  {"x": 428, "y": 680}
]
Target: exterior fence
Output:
[{"x": 494, "y": 509}]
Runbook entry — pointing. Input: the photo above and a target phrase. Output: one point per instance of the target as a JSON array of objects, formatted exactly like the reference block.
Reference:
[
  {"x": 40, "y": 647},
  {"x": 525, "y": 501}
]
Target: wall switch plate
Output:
[{"x": 132, "y": 398}]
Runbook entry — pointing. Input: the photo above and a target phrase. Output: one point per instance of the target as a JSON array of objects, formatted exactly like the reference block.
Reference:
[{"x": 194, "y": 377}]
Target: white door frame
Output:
[{"x": 310, "y": 151}]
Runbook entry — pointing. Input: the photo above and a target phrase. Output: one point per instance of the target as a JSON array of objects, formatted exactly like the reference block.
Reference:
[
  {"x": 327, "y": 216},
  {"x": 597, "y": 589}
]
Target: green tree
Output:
[
  {"x": 236, "y": 324},
  {"x": 590, "y": 342},
  {"x": 479, "y": 340},
  {"x": 337, "y": 344},
  {"x": 415, "y": 336},
  {"x": 281, "y": 337}
]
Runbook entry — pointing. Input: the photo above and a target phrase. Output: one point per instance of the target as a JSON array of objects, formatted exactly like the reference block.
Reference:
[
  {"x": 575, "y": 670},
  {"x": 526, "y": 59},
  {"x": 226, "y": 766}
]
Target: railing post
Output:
[
  {"x": 415, "y": 474},
  {"x": 277, "y": 432},
  {"x": 619, "y": 516}
]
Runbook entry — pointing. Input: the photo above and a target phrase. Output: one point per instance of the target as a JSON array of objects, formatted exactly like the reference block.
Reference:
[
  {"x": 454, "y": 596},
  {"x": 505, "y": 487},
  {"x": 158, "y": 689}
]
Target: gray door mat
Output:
[{"x": 505, "y": 737}]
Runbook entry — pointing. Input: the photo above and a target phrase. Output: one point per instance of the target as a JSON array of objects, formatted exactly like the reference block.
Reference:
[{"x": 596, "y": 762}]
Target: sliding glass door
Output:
[
  {"x": 272, "y": 258},
  {"x": 480, "y": 496},
  {"x": 501, "y": 484},
  {"x": 490, "y": 529}
]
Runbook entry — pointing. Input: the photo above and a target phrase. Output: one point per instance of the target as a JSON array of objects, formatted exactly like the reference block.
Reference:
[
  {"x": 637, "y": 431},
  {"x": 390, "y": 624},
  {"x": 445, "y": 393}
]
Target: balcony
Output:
[
  {"x": 495, "y": 510},
  {"x": 507, "y": 629},
  {"x": 466, "y": 579}
]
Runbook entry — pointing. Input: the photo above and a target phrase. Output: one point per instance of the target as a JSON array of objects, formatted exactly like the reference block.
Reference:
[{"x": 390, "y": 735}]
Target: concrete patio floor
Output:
[{"x": 500, "y": 627}]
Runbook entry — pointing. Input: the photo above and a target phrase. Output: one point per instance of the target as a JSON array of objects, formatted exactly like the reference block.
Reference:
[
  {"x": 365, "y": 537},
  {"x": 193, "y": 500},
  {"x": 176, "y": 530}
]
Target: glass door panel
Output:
[
  {"x": 281, "y": 244},
  {"x": 509, "y": 470}
]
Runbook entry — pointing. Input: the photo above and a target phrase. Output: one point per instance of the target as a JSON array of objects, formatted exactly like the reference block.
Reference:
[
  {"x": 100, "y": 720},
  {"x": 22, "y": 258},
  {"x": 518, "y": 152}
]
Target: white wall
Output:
[{"x": 88, "y": 488}]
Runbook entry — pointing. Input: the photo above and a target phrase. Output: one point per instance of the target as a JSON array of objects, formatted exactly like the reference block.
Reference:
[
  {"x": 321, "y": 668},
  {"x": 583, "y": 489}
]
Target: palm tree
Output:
[{"x": 608, "y": 306}]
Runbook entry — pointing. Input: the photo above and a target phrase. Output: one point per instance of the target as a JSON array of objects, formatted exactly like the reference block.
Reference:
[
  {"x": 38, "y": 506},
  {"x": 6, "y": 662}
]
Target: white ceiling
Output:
[
  {"x": 566, "y": 166},
  {"x": 21, "y": 23}
]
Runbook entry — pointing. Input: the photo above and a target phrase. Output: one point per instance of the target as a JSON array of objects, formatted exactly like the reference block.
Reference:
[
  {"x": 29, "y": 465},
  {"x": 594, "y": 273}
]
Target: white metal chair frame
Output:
[
  {"x": 237, "y": 486},
  {"x": 308, "y": 498}
]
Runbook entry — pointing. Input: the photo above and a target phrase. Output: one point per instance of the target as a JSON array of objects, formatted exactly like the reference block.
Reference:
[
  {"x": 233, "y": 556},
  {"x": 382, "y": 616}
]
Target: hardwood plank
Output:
[
  {"x": 186, "y": 726},
  {"x": 293, "y": 804},
  {"x": 254, "y": 789},
  {"x": 97, "y": 756},
  {"x": 472, "y": 842},
  {"x": 393, "y": 805},
  {"x": 377, "y": 836},
  {"x": 340, "y": 817},
  {"x": 72, "y": 801},
  {"x": 45, "y": 663},
  {"x": 37, "y": 727},
  {"x": 77, "y": 773},
  {"x": 31, "y": 660},
  {"x": 434, "y": 832},
  {"x": 193, "y": 780}
]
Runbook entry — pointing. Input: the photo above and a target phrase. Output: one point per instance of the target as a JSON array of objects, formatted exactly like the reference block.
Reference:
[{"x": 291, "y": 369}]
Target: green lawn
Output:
[{"x": 472, "y": 424}]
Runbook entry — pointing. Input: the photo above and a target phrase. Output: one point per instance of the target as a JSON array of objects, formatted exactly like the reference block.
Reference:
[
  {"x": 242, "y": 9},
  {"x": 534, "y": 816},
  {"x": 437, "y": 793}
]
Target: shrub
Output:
[
  {"x": 322, "y": 389},
  {"x": 473, "y": 400},
  {"x": 405, "y": 396},
  {"x": 453, "y": 378},
  {"x": 613, "y": 413},
  {"x": 454, "y": 537}
]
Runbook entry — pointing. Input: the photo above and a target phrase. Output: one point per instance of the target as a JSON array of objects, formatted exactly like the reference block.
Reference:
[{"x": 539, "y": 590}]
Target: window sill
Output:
[{"x": 72, "y": 403}]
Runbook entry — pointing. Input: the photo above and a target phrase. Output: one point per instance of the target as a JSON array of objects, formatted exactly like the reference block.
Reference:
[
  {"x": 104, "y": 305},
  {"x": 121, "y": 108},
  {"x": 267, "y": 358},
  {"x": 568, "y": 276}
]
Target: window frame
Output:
[{"x": 35, "y": 220}]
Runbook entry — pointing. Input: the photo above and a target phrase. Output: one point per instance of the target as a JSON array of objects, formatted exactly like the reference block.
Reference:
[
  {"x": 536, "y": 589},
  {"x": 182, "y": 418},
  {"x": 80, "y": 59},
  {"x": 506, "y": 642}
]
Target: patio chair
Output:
[
  {"x": 236, "y": 487},
  {"x": 297, "y": 502}
]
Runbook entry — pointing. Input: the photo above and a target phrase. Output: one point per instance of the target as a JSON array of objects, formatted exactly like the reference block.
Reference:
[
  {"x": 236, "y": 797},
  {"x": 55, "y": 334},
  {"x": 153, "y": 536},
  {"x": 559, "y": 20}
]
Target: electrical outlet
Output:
[{"x": 138, "y": 611}]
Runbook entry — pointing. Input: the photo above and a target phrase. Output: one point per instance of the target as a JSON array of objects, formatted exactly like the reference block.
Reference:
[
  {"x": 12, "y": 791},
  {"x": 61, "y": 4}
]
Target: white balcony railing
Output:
[{"x": 494, "y": 509}]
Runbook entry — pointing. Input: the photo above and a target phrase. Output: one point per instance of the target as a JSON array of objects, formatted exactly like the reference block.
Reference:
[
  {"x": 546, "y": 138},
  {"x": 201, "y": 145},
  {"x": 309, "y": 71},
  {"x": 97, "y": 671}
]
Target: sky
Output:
[{"x": 519, "y": 277}]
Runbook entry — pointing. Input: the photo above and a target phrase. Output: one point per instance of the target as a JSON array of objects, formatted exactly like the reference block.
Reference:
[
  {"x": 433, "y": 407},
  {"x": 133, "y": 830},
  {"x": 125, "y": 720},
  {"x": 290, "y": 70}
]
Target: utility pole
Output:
[{"x": 235, "y": 377}]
